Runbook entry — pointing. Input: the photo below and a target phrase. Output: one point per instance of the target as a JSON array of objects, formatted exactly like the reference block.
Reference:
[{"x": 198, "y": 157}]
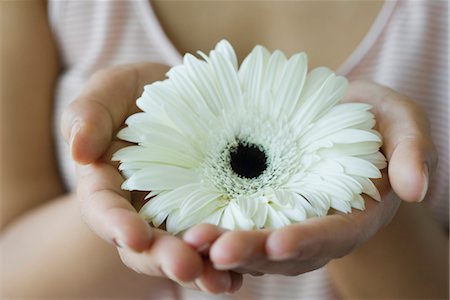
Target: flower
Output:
[{"x": 259, "y": 146}]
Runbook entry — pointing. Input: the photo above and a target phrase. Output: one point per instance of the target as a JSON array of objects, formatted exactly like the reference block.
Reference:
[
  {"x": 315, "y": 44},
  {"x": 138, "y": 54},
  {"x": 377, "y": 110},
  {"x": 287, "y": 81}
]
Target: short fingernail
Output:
[
  {"x": 200, "y": 285},
  {"x": 74, "y": 131},
  {"x": 224, "y": 285},
  {"x": 169, "y": 274},
  {"x": 118, "y": 243},
  {"x": 426, "y": 176},
  {"x": 228, "y": 266},
  {"x": 284, "y": 256},
  {"x": 203, "y": 248}
]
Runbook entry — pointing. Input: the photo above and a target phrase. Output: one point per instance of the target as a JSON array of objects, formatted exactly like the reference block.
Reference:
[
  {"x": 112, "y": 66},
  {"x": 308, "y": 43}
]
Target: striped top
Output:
[{"x": 405, "y": 49}]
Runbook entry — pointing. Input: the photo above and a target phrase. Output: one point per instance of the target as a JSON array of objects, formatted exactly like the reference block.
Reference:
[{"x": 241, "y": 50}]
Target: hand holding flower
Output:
[
  {"x": 290, "y": 250},
  {"x": 308, "y": 245},
  {"x": 89, "y": 125}
]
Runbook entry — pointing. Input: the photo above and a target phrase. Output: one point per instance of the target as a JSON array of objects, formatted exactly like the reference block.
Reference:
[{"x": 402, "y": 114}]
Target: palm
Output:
[{"x": 112, "y": 213}]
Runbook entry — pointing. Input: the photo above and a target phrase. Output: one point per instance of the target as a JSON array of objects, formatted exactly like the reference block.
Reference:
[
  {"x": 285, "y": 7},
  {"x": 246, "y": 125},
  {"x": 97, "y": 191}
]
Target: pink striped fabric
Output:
[{"x": 406, "y": 49}]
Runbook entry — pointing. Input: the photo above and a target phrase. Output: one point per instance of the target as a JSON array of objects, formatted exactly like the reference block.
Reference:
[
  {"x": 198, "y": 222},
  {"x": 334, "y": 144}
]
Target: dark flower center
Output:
[{"x": 247, "y": 160}]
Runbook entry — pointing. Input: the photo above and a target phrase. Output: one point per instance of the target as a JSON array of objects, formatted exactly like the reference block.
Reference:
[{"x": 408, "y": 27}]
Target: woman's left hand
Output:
[{"x": 309, "y": 245}]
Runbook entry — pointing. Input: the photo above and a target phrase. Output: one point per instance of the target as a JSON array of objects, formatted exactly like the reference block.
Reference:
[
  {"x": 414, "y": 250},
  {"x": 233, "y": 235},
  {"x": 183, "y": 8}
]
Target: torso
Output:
[{"x": 339, "y": 26}]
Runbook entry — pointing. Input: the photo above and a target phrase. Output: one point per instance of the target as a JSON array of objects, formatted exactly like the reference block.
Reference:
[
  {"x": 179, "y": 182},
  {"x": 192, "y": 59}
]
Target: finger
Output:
[
  {"x": 245, "y": 270},
  {"x": 237, "y": 248},
  {"x": 236, "y": 282},
  {"x": 293, "y": 267},
  {"x": 88, "y": 124},
  {"x": 107, "y": 210},
  {"x": 168, "y": 257},
  {"x": 332, "y": 236},
  {"x": 214, "y": 281},
  {"x": 407, "y": 145},
  {"x": 202, "y": 236}
]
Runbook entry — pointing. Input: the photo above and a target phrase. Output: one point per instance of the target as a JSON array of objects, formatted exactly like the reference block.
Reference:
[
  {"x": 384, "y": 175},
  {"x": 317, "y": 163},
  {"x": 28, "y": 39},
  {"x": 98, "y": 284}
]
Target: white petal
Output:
[
  {"x": 291, "y": 209},
  {"x": 346, "y": 182},
  {"x": 227, "y": 80},
  {"x": 377, "y": 159},
  {"x": 203, "y": 77},
  {"x": 276, "y": 219},
  {"x": 287, "y": 94},
  {"x": 155, "y": 154},
  {"x": 233, "y": 218},
  {"x": 198, "y": 201},
  {"x": 215, "y": 217},
  {"x": 340, "y": 205},
  {"x": 315, "y": 104},
  {"x": 251, "y": 74},
  {"x": 186, "y": 121},
  {"x": 300, "y": 201},
  {"x": 160, "y": 178},
  {"x": 198, "y": 217},
  {"x": 260, "y": 217},
  {"x": 135, "y": 165},
  {"x": 149, "y": 133},
  {"x": 315, "y": 81},
  {"x": 314, "y": 193},
  {"x": 275, "y": 67},
  {"x": 345, "y": 136},
  {"x": 159, "y": 207},
  {"x": 333, "y": 122},
  {"x": 326, "y": 166},
  {"x": 242, "y": 222},
  {"x": 368, "y": 187},
  {"x": 225, "y": 48},
  {"x": 358, "y": 166},
  {"x": 248, "y": 205},
  {"x": 129, "y": 134},
  {"x": 354, "y": 149},
  {"x": 172, "y": 222},
  {"x": 156, "y": 115},
  {"x": 189, "y": 93},
  {"x": 227, "y": 220},
  {"x": 358, "y": 202},
  {"x": 156, "y": 93}
]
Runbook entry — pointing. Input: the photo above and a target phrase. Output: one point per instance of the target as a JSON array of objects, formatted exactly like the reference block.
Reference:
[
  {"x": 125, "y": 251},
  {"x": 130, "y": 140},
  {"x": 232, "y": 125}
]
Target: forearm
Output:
[
  {"x": 30, "y": 67},
  {"x": 407, "y": 259},
  {"x": 50, "y": 253}
]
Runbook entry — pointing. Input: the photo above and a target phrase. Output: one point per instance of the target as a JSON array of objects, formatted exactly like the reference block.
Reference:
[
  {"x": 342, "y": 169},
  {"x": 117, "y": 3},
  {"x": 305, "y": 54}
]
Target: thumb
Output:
[
  {"x": 407, "y": 144},
  {"x": 91, "y": 121},
  {"x": 409, "y": 170}
]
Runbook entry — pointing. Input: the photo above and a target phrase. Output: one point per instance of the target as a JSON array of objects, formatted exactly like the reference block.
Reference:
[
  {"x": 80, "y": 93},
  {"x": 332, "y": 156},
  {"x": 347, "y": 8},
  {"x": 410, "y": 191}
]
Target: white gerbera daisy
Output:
[{"x": 259, "y": 146}]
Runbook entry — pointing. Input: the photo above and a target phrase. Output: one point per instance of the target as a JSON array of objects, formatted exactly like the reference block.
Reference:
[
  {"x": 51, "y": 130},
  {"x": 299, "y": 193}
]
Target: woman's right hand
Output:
[{"x": 89, "y": 126}]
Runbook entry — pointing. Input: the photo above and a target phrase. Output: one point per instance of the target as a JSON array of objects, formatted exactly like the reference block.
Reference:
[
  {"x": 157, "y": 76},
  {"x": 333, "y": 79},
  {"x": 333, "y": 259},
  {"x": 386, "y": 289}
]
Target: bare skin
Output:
[
  {"x": 143, "y": 249},
  {"x": 315, "y": 27}
]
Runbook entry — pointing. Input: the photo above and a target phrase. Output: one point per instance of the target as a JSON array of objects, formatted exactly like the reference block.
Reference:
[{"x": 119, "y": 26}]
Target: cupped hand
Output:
[
  {"x": 309, "y": 245},
  {"x": 90, "y": 125}
]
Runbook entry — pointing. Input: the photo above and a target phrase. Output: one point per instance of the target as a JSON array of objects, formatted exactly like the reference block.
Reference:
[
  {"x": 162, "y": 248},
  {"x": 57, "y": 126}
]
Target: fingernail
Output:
[
  {"x": 228, "y": 266},
  {"x": 224, "y": 285},
  {"x": 203, "y": 248},
  {"x": 170, "y": 275},
  {"x": 426, "y": 176},
  {"x": 284, "y": 256},
  {"x": 118, "y": 243},
  {"x": 200, "y": 285},
  {"x": 73, "y": 132}
]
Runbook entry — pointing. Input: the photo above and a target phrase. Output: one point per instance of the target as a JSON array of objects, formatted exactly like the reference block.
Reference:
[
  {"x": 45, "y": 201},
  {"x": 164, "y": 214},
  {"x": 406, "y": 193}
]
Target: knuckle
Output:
[{"x": 107, "y": 74}]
